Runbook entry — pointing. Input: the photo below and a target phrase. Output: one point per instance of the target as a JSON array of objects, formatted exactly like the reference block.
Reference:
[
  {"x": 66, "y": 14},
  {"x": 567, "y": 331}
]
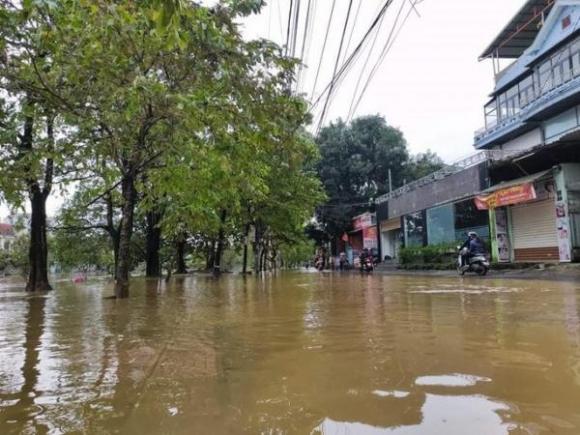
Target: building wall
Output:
[
  {"x": 452, "y": 187},
  {"x": 524, "y": 142}
]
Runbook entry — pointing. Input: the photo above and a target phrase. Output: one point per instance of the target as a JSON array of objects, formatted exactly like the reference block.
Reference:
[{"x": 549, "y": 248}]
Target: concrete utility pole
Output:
[{"x": 390, "y": 181}]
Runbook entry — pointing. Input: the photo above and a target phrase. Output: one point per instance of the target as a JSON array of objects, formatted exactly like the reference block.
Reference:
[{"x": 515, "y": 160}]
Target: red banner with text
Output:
[{"x": 508, "y": 196}]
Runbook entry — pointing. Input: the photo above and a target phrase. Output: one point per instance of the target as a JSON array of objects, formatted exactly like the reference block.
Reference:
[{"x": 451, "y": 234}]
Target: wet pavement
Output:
[{"x": 301, "y": 353}]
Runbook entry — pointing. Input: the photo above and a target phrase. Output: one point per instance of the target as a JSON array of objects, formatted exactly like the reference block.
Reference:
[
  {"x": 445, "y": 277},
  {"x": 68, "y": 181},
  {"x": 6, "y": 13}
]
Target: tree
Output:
[
  {"x": 360, "y": 162},
  {"x": 423, "y": 164}
]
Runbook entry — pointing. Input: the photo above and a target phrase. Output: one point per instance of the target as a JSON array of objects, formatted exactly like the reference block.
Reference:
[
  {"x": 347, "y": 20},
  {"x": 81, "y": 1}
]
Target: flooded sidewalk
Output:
[{"x": 300, "y": 353}]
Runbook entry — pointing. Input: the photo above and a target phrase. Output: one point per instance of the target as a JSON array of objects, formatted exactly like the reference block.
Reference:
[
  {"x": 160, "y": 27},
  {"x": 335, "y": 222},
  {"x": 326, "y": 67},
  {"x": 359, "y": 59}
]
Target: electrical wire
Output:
[
  {"x": 393, "y": 35},
  {"x": 289, "y": 26},
  {"x": 354, "y": 21},
  {"x": 336, "y": 65},
  {"x": 346, "y": 66},
  {"x": 304, "y": 40},
  {"x": 323, "y": 48},
  {"x": 359, "y": 79}
]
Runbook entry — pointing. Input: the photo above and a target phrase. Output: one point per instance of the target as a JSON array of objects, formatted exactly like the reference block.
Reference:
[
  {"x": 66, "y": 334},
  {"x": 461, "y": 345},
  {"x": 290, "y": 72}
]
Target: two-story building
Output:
[{"x": 532, "y": 119}]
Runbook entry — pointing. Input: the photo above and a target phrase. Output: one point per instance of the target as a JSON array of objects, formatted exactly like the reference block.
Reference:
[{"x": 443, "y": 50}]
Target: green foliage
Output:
[
  {"x": 432, "y": 254},
  {"x": 296, "y": 254},
  {"x": 82, "y": 250},
  {"x": 355, "y": 164}
]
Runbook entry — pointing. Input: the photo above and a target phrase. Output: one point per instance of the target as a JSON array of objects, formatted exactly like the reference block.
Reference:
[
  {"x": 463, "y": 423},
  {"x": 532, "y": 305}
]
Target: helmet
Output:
[{"x": 472, "y": 234}]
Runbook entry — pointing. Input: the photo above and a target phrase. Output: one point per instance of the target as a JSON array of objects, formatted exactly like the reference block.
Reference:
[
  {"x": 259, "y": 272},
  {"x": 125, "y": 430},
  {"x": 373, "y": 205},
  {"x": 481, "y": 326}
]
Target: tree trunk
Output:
[
  {"x": 124, "y": 260},
  {"x": 38, "y": 248},
  {"x": 245, "y": 254},
  {"x": 210, "y": 255},
  {"x": 180, "y": 255},
  {"x": 38, "y": 252},
  {"x": 153, "y": 265},
  {"x": 220, "y": 245},
  {"x": 256, "y": 246}
]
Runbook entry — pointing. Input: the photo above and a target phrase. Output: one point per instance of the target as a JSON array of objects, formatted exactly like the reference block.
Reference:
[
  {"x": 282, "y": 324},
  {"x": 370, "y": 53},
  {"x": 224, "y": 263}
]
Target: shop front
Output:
[
  {"x": 390, "y": 239},
  {"x": 530, "y": 216},
  {"x": 364, "y": 235}
]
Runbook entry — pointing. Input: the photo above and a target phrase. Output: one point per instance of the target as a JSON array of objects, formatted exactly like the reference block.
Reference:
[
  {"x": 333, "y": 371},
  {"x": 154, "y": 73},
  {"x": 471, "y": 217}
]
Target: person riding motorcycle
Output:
[{"x": 474, "y": 247}]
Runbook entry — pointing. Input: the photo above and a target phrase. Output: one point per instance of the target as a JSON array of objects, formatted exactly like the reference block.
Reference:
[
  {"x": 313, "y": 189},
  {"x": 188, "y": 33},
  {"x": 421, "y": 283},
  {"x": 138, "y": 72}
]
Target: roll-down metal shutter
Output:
[{"x": 534, "y": 225}]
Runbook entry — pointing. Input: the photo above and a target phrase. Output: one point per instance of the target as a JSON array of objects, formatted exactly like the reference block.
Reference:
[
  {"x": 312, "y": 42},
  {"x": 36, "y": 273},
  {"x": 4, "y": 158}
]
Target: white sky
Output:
[{"x": 430, "y": 84}]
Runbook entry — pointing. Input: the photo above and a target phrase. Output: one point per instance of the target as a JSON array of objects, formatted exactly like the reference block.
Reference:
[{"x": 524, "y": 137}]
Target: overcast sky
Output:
[{"x": 430, "y": 84}]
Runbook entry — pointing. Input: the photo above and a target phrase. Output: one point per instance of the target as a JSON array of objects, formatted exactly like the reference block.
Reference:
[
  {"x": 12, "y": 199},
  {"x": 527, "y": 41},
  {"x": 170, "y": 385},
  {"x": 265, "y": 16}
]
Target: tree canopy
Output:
[{"x": 354, "y": 167}]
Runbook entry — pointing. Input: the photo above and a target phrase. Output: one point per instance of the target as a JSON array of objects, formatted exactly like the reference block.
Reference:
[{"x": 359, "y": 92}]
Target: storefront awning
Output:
[{"x": 509, "y": 193}]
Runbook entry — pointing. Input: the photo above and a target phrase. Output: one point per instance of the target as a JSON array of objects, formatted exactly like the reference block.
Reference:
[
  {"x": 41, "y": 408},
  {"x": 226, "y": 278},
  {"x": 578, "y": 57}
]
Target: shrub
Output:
[{"x": 433, "y": 254}]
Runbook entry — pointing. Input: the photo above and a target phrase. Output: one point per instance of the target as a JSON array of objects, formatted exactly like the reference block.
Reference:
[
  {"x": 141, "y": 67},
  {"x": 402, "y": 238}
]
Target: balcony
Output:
[{"x": 553, "y": 81}]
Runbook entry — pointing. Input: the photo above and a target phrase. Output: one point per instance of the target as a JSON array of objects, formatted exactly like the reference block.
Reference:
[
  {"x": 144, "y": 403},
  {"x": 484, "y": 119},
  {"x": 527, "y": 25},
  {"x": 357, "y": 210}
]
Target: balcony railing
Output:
[{"x": 557, "y": 75}]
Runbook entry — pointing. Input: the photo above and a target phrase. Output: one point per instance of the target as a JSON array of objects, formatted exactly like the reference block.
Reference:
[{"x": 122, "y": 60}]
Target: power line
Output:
[
  {"x": 336, "y": 64},
  {"x": 356, "y": 14},
  {"x": 323, "y": 48},
  {"x": 365, "y": 64},
  {"x": 304, "y": 40},
  {"x": 386, "y": 49},
  {"x": 345, "y": 67},
  {"x": 289, "y": 26},
  {"x": 295, "y": 30}
]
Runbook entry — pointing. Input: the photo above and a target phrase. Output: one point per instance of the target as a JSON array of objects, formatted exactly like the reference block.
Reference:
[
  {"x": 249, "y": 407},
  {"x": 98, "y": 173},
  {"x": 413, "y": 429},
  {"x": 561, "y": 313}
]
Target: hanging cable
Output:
[
  {"x": 304, "y": 39},
  {"x": 356, "y": 14},
  {"x": 358, "y": 82},
  {"x": 335, "y": 64},
  {"x": 289, "y": 27},
  {"x": 323, "y": 48},
  {"x": 386, "y": 49},
  {"x": 346, "y": 66}
]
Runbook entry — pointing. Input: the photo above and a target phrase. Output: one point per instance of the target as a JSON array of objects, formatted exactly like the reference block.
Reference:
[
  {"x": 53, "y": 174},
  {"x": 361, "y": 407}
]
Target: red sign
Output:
[
  {"x": 508, "y": 196},
  {"x": 370, "y": 237}
]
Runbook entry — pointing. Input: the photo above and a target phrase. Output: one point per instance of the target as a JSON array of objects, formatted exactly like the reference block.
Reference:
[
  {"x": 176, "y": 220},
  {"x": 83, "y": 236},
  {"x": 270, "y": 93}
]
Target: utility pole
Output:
[{"x": 390, "y": 181}]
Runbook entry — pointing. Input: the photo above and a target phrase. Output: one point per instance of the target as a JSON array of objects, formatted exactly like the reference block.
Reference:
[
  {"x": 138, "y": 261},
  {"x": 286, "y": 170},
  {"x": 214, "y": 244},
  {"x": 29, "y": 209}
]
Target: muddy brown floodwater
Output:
[{"x": 301, "y": 353}]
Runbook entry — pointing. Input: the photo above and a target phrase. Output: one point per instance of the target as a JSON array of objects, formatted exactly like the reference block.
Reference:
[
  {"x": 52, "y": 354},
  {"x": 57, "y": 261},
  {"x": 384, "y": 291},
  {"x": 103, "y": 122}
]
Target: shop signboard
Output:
[
  {"x": 501, "y": 228},
  {"x": 370, "y": 238},
  {"x": 508, "y": 196},
  {"x": 563, "y": 228},
  {"x": 362, "y": 221}
]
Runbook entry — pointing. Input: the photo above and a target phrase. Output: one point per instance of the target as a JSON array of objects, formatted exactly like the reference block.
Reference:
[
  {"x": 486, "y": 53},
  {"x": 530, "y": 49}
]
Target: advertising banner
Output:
[
  {"x": 370, "y": 238},
  {"x": 508, "y": 196}
]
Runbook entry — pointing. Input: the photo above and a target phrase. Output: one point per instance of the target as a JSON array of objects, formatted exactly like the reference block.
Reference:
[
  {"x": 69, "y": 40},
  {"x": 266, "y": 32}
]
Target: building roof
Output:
[
  {"x": 6, "y": 230},
  {"x": 521, "y": 31}
]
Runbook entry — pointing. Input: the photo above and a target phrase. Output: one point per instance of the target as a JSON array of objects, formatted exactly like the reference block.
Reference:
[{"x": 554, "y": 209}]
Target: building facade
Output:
[{"x": 532, "y": 121}]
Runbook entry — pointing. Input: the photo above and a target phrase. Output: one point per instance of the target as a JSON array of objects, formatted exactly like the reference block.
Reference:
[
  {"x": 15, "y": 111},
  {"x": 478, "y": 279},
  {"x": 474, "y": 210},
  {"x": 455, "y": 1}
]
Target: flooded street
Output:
[{"x": 300, "y": 353}]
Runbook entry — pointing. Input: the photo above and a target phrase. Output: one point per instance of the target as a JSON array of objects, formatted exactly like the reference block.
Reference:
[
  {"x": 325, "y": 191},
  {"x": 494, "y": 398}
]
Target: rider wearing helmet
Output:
[{"x": 474, "y": 247}]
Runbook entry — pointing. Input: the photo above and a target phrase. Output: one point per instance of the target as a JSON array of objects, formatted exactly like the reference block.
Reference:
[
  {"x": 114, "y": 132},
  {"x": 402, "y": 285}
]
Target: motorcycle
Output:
[
  {"x": 477, "y": 264},
  {"x": 367, "y": 264}
]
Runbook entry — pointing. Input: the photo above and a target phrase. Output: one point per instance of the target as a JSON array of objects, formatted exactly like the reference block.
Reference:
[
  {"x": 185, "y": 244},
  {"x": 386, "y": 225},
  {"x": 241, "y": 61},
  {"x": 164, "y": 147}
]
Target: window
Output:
[
  {"x": 575, "y": 57},
  {"x": 545, "y": 82},
  {"x": 526, "y": 91},
  {"x": 441, "y": 225},
  {"x": 469, "y": 218},
  {"x": 414, "y": 229},
  {"x": 503, "y": 109},
  {"x": 513, "y": 101},
  {"x": 490, "y": 111},
  {"x": 561, "y": 67}
]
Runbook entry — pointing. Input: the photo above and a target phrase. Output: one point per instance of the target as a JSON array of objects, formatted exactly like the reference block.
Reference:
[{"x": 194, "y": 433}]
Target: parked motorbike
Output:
[{"x": 477, "y": 264}]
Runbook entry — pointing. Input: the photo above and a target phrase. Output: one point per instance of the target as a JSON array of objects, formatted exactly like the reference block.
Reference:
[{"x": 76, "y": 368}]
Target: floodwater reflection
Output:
[{"x": 297, "y": 353}]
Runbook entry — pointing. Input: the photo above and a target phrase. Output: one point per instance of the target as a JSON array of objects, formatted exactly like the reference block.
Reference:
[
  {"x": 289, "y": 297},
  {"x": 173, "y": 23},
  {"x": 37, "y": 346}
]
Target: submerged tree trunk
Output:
[
  {"x": 180, "y": 246},
  {"x": 245, "y": 253},
  {"x": 38, "y": 252},
  {"x": 38, "y": 248},
  {"x": 220, "y": 244},
  {"x": 153, "y": 244},
  {"x": 124, "y": 260}
]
